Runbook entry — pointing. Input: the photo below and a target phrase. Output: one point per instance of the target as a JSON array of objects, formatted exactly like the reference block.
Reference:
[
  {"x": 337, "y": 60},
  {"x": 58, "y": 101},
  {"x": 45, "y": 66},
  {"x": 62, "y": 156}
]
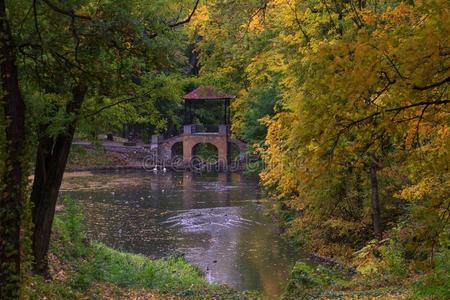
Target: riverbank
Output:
[
  {"x": 88, "y": 157},
  {"x": 82, "y": 269},
  {"x": 380, "y": 270}
]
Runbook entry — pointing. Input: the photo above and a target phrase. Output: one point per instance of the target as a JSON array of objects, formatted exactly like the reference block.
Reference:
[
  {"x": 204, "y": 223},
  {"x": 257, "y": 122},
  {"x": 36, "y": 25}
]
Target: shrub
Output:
[
  {"x": 308, "y": 281},
  {"x": 393, "y": 259},
  {"x": 69, "y": 239},
  {"x": 436, "y": 285}
]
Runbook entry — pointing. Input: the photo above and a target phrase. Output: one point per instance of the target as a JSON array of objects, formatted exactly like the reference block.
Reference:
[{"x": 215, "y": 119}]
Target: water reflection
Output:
[{"x": 218, "y": 222}]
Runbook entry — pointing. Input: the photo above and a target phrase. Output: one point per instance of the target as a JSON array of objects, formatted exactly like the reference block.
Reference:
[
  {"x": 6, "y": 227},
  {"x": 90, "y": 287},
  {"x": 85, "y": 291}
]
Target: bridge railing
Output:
[
  {"x": 206, "y": 128},
  {"x": 195, "y": 128}
]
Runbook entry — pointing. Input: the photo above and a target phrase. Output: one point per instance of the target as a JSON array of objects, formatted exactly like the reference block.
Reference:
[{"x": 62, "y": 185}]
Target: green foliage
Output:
[
  {"x": 250, "y": 109},
  {"x": 393, "y": 258},
  {"x": 254, "y": 167},
  {"x": 158, "y": 104},
  {"x": 206, "y": 152}
]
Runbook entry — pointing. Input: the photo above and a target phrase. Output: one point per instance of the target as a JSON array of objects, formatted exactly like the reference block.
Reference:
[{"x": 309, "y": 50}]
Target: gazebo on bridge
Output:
[{"x": 194, "y": 134}]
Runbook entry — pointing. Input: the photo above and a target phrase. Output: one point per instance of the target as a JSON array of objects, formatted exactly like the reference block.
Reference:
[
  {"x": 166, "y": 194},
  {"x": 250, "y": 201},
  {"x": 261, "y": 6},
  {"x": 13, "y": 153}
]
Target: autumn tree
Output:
[{"x": 360, "y": 96}]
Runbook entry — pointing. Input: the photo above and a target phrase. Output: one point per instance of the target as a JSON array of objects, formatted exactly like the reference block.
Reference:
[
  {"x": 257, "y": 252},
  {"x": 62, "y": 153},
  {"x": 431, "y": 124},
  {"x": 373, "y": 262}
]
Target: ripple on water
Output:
[{"x": 209, "y": 219}]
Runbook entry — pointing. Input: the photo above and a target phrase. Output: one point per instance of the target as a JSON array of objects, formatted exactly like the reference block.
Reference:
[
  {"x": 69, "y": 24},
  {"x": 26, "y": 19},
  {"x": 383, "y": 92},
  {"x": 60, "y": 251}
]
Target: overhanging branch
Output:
[{"x": 117, "y": 103}]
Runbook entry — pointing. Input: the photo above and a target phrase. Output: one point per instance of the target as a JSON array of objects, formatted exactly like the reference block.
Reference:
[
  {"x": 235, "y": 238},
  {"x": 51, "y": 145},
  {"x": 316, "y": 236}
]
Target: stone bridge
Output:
[{"x": 191, "y": 137}]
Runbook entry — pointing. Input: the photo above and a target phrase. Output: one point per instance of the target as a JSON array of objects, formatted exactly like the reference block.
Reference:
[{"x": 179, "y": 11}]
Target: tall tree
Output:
[
  {"x": 13, "y": 176},
  {"x": 81, "y": 50}
]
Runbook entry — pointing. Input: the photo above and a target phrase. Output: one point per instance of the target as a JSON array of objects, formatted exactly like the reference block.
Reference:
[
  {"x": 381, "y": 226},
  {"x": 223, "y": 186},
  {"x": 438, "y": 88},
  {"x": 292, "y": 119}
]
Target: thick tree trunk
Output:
[
  {"x": 51, "y": 162},
  {"x": 376, "y": 215},
  {"x": 13, "y": 179}
]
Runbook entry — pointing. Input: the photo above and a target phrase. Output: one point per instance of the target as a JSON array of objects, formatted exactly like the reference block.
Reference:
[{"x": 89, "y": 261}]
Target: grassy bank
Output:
[{"x": 82, "y": 269}]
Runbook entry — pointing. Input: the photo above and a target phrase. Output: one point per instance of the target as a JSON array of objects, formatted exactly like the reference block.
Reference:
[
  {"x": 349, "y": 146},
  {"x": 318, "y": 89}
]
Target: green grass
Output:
[
  {"x": 105, "y": 264},
  {"x": 38, "y": 289}
]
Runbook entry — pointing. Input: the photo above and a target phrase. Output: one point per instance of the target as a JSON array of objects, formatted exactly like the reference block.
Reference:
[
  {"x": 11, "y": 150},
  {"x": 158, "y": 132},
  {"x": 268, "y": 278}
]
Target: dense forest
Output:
[{"x": 345, "y": 103}]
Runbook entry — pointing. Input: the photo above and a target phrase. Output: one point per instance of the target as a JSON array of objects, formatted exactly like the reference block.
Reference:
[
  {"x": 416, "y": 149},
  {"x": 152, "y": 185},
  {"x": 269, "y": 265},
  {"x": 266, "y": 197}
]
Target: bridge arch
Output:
[
  {"x": 166, "y": 147},
  {"x": 219, "y": 141},
  {"x": 176, "y": 149},
  {"x": 207, "y": 152},
  {"x": 185, "y": 144}
]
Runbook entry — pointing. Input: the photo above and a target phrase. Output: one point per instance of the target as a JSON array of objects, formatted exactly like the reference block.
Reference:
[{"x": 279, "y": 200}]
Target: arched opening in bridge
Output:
[
  {"x": 206, "y": 152},
  {"x": 177, "y": 149}
]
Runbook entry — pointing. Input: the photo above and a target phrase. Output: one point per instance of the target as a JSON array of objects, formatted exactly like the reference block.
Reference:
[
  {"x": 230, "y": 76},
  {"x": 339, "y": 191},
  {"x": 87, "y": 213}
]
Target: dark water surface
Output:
[{"x": 219, "y": 222}]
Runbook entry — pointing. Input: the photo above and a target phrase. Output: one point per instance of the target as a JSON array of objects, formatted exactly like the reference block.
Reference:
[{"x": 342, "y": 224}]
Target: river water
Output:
[{"x": 218, "y": 221}]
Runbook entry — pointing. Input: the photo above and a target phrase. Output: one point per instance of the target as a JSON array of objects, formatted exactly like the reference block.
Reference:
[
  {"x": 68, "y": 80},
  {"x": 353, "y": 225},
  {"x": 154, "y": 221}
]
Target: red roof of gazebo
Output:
[{"x": 207, "y": 93}]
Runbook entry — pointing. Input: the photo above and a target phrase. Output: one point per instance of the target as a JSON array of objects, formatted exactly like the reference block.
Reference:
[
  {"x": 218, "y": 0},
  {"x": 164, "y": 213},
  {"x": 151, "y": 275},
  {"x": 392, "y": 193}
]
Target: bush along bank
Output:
[{"x": 384, "y": 270}]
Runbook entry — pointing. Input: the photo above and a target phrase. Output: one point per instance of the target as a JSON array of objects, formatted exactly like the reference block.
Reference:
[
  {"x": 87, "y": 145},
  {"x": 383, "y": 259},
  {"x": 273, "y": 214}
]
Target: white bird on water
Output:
[
  {"x": 164, "y": 169},
  {"x": 155, "y": 169}
]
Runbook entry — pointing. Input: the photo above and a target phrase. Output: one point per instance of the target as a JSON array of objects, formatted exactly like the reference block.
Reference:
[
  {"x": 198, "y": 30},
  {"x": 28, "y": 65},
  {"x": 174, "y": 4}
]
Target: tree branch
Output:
[
  {"x": 188, "y": 19},
  {"x": 398, "y": 109},
  {"x": 69, "y": 13},
  {"x": 433, "y": 85},
  {"x": 117, "y": 103}
]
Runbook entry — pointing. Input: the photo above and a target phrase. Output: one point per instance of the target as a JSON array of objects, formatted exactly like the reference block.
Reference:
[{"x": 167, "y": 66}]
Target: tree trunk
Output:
[
  {"x": 51, "y": 160},
  {"x": 376, "y": 215},
  {"x": 13, "y": 177}
]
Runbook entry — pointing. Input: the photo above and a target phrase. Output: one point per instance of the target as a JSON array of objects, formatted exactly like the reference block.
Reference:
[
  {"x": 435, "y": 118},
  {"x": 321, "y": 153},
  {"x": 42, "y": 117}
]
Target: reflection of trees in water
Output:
[
  {"x": 188, "y": 200},
  {"x": 266, "y": 267}
]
